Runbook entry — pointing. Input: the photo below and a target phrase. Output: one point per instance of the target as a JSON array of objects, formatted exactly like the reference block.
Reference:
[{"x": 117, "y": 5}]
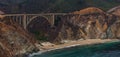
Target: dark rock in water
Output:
[{"x": 14, "y": 40}]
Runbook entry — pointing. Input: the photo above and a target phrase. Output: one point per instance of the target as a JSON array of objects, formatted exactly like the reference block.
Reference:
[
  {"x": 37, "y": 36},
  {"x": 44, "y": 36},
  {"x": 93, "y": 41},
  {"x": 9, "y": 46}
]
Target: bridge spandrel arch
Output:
[
  {"x": 34, "y": 17},
  {"x": 49, "y": 18}
]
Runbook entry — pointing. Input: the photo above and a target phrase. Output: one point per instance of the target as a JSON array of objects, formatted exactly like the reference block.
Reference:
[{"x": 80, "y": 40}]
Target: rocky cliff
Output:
[
  {"x": 89, "y": 23},
  {"x": 115, "y": 11},
  {"x": 14, "y": 41}
]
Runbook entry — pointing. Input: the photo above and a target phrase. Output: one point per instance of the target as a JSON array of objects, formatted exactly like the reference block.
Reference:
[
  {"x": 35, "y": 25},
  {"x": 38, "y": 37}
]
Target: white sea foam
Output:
[
  {"x": 33, "y": 54},
  {"x": 40, "y": 52}
]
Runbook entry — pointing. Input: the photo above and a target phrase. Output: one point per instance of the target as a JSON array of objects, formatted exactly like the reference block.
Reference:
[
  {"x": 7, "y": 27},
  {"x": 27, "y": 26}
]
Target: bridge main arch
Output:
[
  {"x": 38, "y": 23},
  {"x": 37, "y": 17},
  {"x": 49, "y": 18}
]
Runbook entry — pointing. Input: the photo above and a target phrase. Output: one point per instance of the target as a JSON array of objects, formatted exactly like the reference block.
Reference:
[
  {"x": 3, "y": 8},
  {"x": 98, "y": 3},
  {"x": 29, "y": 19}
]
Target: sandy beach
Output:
[{"x": 49, "y": 46}]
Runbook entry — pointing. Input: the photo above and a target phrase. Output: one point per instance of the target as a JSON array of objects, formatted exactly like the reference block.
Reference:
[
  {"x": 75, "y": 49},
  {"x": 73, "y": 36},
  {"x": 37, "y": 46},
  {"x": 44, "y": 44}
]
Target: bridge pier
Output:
[
  {"x": 52, "y": 20},
  {"x": 24, "y": 21}
]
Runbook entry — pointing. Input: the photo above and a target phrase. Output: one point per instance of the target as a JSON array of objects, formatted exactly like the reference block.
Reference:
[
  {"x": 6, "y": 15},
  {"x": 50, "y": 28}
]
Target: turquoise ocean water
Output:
[{"x": 111, "y": 49}]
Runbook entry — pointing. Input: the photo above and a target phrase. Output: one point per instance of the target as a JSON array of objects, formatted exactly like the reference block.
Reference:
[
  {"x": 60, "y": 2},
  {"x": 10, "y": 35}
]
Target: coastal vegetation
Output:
[{"x": 39, "y": 36}]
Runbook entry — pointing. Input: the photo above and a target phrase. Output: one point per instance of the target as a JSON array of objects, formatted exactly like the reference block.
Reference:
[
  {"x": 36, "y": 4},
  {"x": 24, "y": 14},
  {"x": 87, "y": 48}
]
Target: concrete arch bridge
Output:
[{"x": 25, "y": 19}]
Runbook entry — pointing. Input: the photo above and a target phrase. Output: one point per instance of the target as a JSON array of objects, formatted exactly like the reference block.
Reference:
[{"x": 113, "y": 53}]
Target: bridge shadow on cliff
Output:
[{"x": 42, "y": 29}]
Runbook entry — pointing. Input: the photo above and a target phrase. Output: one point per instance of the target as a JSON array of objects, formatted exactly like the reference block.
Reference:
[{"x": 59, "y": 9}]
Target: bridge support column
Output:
[
  {"x": 52, "y": 20},
  {"x": 24, "y": 21},
  {"x": 20, "y": 20}
]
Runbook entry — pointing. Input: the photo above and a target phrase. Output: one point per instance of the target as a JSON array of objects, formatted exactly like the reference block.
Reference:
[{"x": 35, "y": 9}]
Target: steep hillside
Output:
[
  {"x": 44, "y": 6},
  {"x": 72, "y": 5},
  {"x": 103, "y": 4},
  {"x": 90, "y": 10},
  {"x": 115, "y": 11},
  {"x": 92, "y": 23},
  {"x": 15, "y": 41}
]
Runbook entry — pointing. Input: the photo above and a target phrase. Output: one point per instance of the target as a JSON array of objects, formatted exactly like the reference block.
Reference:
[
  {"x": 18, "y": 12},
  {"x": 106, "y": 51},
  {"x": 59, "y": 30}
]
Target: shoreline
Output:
[{"x": 71, "y": 44}]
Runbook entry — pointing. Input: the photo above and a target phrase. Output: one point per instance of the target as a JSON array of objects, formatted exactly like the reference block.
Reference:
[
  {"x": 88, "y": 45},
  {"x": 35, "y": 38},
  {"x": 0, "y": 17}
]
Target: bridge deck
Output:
[
  {"x": 25, "y": 19},
  {"x": 36, "y": 14}
]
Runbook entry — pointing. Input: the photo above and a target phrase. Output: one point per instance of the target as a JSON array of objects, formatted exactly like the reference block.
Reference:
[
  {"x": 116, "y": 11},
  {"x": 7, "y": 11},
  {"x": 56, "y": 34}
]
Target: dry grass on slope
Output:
[{"x": 89, "y": 10}]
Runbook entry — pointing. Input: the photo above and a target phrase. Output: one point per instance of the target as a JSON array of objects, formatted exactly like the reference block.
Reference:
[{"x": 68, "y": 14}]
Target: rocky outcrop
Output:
[
  {"x": 91, "y": 23},
  {"x": 14, "y": 40},
  {"x": 89, "y": 10},
  {"x": 115, "y": 11}
]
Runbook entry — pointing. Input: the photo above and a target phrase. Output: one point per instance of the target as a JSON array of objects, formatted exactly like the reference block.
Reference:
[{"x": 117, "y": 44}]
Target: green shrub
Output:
[{"x": 40, "y": 36}]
